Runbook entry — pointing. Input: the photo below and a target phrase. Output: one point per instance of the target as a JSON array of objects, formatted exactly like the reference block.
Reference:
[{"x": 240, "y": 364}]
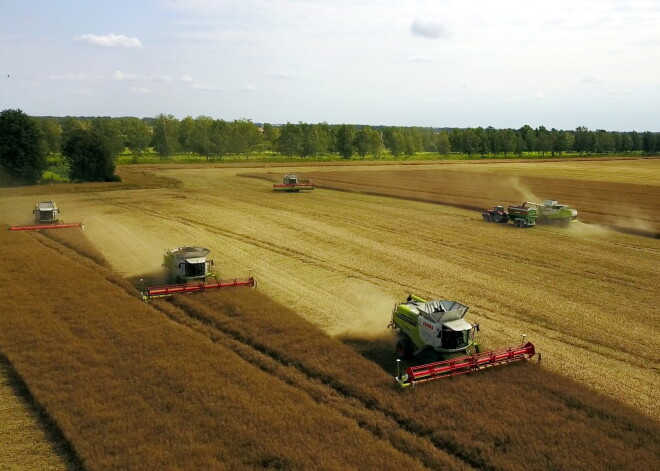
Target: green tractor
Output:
[{"x": 435, "y": 329}]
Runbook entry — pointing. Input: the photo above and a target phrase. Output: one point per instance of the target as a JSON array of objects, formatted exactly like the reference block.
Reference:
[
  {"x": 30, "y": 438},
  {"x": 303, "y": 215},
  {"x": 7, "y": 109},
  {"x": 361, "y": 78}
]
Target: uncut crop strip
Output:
[
  {"x": 326, "y": 390},
  {"x": 371, "y": 389},
  {"x": 110, "y": 382},
  {"x": 30, "y": 440}
]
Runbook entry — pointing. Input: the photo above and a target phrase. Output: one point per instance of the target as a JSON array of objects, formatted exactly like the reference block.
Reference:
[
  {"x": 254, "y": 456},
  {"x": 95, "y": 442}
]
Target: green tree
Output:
[
  {"x": 90, "y": 155},
  {"x": 290, "y": 141},
  {"x": 442, "y": 143},
  {"x": 110, "y": 128},
  {"x": 22, "y": 149},
  {"x": 52, "y": 134},
  {"x": 649, "y": 142},
  {"x": 345, "y": 138},
  {"x": 271, "y": 134},
  {"x": 185, "y": 131},
  {"x": 200, "y": 139},
  {"x": 394, "y": 140},
  {"x": 363, "y": 141},
  {"x": 137, "y": 134},
  {"x": 583, "y": 140},
  {"x": 165, "y": 135},
  {"x": 244, "y": 136}
]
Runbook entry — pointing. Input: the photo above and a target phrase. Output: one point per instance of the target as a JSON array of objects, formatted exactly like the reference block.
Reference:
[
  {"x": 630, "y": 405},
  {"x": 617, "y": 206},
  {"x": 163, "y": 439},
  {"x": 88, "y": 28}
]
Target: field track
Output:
[{"x": 231, "y": 380}]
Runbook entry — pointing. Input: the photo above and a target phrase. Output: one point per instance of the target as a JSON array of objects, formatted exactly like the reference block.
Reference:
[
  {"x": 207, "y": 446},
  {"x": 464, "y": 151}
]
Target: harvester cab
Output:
[
  {"x": 46, "y": 211},
  {"x": 290, "y": 179},
  {"x": 188, "y": 263}
]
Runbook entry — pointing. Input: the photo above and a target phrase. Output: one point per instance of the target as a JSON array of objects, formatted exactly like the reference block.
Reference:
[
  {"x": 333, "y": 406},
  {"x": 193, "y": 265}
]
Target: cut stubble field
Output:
[{"x": 587, "y": 298}]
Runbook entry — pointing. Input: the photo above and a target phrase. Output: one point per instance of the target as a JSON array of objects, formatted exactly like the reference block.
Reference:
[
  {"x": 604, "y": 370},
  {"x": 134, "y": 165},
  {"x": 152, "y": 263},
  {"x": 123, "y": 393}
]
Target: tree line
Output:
[{"x": 90, "y": 145}]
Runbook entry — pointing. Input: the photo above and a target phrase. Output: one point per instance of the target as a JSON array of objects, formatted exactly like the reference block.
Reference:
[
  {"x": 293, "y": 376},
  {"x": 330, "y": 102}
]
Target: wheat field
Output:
[{"x": 586, "y": 297}]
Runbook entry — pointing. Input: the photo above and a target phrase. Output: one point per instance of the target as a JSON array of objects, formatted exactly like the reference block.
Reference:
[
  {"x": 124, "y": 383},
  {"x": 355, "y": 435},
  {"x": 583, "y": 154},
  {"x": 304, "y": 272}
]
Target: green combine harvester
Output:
[
  {"x": 551, "y": 212},
  {"x": 436, "y": 327},
  {"x": 437, "y": 330}
]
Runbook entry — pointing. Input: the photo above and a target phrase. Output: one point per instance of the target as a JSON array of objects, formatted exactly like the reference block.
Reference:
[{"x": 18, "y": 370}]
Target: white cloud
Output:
[
  {"x": 140, "y": 90},
  {"x": 428, "y": 29},
  {"x": 120, "y": 76},
  {"x": 418, "y": 58},
  {"x": 206, "y": 88},
  {"x": 589, "y": 79},
  {"x": 109, "y": 40},
  {"x": 617, "y": 94},
  {"x": 74, "y": 77},
  {"x": 187, "y": 79}
]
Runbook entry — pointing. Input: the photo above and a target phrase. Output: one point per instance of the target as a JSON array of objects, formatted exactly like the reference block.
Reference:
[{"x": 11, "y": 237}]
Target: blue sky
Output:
[{"x": 505, "y": 63}]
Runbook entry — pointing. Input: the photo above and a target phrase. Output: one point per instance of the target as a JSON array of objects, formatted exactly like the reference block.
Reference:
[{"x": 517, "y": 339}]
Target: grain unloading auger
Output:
[
  {"x": 47, "y": 216},
  {"x": 438, "y": 329},
  {"x": 190, "y": 269}
]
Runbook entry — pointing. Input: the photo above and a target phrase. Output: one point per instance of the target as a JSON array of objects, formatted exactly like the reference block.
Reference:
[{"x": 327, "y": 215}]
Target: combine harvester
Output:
[
  {"x": 551, "y": 212},
  {"x": 46, "y": 216},
  {"x": 292, "y": 183},
  {"x": 438, "y": 329},
  {"x": 189, "y": 268}
]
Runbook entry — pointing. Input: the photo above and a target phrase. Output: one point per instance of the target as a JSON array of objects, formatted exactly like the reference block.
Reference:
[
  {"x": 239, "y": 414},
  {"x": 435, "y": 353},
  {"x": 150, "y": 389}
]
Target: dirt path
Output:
[{"x": 586, "y": 298}]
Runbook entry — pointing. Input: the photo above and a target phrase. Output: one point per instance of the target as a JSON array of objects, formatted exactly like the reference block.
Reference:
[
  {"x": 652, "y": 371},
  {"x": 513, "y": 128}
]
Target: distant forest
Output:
[{"x": 215, "y": 138}]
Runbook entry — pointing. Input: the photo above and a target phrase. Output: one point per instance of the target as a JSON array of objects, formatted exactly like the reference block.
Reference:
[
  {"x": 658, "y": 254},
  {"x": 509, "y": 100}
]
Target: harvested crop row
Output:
[{"x": 131, "y": 390}]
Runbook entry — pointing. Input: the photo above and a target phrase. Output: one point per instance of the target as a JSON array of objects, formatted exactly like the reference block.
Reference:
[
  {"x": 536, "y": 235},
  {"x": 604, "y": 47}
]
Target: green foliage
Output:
[
  {"x": 136, "y": 134},
  {"x": 90, "y": 156},
  {"x": 345, "y": 138},
  {"x": 22, "y": 149}
]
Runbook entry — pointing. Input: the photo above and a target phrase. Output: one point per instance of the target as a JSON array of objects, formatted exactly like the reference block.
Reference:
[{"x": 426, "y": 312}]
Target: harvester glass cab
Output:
[
  {"x": 188, "y": 263},
  {"x": 499, "y": 208},
  {"x": 290, "y": 179},
  {"x": 194, "y": 268},
  {"x": 46, "y": 211},
  {"x": 437, "y": 326}
]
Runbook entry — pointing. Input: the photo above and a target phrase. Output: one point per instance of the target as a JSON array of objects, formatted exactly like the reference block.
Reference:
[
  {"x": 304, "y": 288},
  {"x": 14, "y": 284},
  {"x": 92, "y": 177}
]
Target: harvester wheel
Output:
[
  {"x": 404, "y": 348},
  {"x": 487, "y": 217},
  {"x": 516, "y": 223},
  {"x": 497, "y": 217}
]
